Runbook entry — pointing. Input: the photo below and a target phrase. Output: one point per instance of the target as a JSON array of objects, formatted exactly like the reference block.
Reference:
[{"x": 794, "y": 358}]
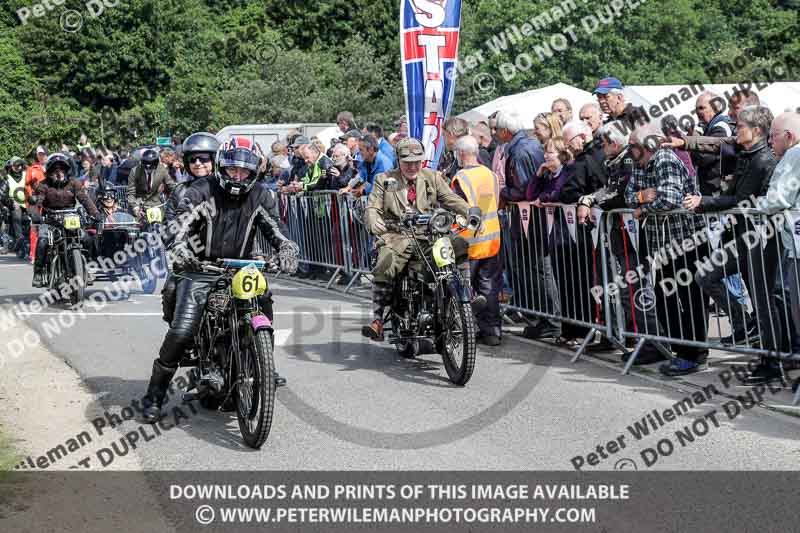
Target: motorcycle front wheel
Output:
[
  {"x": 255, "y": 391},
  {"x": 456, "y": 343},
  {"x": 79, "y": 278}
]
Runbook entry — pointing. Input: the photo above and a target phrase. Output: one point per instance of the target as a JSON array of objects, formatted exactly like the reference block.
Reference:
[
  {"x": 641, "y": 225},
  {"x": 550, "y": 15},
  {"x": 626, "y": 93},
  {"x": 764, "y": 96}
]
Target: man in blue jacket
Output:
[
  {"x": 531, "y": 276},
  {"x": 373, "y": 162},
  {"x": 383, "y": 145}
]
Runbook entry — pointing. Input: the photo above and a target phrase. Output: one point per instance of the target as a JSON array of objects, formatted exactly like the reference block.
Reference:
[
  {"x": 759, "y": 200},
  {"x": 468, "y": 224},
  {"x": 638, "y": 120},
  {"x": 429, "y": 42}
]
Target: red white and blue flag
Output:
[{"x": 429, "y": 31}]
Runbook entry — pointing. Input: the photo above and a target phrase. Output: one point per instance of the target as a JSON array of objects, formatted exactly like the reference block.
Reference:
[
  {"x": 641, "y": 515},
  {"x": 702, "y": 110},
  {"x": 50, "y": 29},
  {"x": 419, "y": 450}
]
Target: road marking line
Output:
[
  {"x": 281, "y": 336},
  {"x": 279, "y": 313}
]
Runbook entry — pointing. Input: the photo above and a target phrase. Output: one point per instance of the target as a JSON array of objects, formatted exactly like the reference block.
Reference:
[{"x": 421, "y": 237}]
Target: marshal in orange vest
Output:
[{"x": 482, "y": 190}]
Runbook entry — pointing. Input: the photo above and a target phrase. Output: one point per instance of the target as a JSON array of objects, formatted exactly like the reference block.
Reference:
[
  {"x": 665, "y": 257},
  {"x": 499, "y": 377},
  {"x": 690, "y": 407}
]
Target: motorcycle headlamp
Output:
[{"x": 441, "y": 221}]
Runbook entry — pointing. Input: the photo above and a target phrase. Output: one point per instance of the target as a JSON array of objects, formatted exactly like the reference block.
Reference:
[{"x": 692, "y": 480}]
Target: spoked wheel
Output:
[
  {"x": 53, "y": 278},
  {"x": 147, "y": 280},
  {"x": 78, "y": 278},
  {"x": 255, "y": 390},
  {"x": 408, "y": 349},
  {"x": 456, "y": 343}
]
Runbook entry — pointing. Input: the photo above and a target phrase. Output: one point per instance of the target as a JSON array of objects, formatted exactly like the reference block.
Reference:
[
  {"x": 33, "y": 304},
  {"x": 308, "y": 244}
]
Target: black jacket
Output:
[
  {"x": 225, "y": 225},
  {"x": 174, "y": 200},
  {"x": 711, "y": 167},
  {"x": 344, "y": 177},
  {"x": 751, "y": 178},
  {"x": 589, "y": 176},
  {"x": 299, "y": 168},
  {"x": 632, "y": 116},
  {"x": 619, "y": 171},
  {"x": 448, "y": 165},
  {"x": 5, "y": 199},
  {"x": 124, "y": 170}
]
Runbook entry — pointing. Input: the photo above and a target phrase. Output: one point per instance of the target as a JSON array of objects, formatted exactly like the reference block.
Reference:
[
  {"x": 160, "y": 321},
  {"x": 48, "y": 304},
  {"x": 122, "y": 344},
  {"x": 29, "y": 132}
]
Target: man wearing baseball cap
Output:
[
  {"x": 33, "y": 177},
  {"x": 409, "y": 188},
  {"x": 611, "y": 97},
  {"x": 351, "y": 139}
]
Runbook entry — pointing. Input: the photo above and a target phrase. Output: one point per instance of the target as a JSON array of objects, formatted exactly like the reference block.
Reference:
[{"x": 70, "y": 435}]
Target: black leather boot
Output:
[
  {"x": 156, "y": 391},
  {"x": 38, "y": 276}
]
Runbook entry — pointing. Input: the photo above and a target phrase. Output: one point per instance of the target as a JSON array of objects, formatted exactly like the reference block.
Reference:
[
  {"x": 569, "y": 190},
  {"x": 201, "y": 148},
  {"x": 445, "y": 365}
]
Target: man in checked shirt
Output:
[{"x": 659, "y": 183}]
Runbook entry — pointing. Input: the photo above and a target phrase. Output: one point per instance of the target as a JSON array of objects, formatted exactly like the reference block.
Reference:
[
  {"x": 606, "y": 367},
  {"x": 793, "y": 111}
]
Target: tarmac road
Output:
[{"x": 355, "y": 405}]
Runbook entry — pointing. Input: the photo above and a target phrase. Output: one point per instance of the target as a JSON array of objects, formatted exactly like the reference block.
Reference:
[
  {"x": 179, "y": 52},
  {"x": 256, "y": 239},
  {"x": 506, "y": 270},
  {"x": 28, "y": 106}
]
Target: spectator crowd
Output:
[{"x": 610, "y": 158}]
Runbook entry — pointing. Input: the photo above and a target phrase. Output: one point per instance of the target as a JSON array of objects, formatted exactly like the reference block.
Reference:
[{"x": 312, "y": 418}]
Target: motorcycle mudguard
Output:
[
  {"x": 259, "y": 322},
  {"x": 458, "y": 290}
]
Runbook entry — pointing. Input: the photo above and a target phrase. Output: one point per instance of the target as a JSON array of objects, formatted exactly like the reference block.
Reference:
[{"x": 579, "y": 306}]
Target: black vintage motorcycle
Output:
[
  {"x": 233, "y": 349},
  {"x": 67, "y": 265},
  {"x": 429, "y": 299},
  {"x": 151, "y": 220}
]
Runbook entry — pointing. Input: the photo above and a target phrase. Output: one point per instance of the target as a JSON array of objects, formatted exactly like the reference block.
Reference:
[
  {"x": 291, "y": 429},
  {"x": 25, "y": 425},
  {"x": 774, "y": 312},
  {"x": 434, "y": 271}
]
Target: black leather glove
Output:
[
  {"x": 288, "y": 254},
  {"x": 182, "y": 257}
]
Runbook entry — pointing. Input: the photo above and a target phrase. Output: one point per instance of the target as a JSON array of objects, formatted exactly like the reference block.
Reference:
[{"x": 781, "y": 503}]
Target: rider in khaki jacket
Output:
[{"x": 410, "y": 188}]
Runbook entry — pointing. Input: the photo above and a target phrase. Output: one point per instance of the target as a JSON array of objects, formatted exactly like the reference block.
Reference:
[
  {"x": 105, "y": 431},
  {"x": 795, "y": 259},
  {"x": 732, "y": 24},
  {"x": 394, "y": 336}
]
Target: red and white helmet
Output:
[{"x": 238, "y": 152}]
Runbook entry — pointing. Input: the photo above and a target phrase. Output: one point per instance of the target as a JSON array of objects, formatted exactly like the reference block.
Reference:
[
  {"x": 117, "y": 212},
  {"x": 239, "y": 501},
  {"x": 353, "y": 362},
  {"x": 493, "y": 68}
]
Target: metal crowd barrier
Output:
[
  {"x": 551, "y": 262},
  {"x": 320, "y": 223},
  {"x": 675, "y": 282},
  {"x": 714, "y": 281},
  {"x": 359, "y": 240}
]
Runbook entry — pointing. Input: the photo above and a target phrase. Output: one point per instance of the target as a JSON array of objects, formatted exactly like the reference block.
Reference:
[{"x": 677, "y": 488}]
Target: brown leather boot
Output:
[{"x": 374, "y": 331}]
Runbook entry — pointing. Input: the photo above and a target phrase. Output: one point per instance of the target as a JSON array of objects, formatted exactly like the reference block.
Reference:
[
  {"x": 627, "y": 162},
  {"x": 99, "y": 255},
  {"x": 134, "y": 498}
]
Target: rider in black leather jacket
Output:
[
  {"x": 199, "y": 151},
  {"x": 229, "y": 212}
]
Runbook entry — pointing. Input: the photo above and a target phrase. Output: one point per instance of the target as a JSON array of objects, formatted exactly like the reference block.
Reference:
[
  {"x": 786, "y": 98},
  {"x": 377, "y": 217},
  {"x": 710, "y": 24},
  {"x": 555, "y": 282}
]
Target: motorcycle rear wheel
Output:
[
  {"x": 456, "y": 344},
  {"x": 255, "y": 391}
]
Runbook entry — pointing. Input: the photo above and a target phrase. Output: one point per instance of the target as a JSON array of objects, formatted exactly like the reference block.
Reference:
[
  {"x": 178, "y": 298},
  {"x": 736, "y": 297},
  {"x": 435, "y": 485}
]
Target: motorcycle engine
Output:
[
  {"x": 425, "y": 322},
  {"x": 213, "y": 380}
]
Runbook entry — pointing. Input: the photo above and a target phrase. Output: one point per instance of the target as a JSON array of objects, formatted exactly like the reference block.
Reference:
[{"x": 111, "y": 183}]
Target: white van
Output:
[{"x": 266, "y": 134}]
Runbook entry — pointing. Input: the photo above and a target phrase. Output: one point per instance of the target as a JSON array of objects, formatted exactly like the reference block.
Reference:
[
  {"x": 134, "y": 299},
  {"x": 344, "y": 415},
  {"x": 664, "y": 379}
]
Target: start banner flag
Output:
[{"x": 429, "y": 31}]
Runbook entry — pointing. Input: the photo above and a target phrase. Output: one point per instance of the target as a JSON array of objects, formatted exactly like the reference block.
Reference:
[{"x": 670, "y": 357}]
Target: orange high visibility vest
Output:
[{"x": 482, "y": 190}]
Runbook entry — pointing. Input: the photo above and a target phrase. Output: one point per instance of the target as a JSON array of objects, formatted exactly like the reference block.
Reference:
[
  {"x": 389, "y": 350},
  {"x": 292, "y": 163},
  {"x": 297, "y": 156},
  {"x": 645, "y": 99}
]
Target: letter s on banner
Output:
[{"x": 429, "y": 35}]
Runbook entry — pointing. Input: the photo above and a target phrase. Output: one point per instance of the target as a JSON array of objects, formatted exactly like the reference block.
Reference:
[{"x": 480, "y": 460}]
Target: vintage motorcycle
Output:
[
  {"x": 233, "y": 348},
  {"x": 152, "y": 219},
  {"x": 430, "y": 302},
  {"x": 67, "y": 266}
]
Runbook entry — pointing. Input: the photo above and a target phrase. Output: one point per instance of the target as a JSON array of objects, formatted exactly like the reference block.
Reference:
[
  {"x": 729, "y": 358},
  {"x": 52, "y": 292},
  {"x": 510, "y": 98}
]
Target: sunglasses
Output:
[{"x": 201, "y": 159}]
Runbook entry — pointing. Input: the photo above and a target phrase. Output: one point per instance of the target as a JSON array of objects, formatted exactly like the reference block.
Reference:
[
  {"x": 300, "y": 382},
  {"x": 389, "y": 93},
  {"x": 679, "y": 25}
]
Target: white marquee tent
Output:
[
  {"x": 531, "y": 103},
  {"x": 778, "y": 96}
]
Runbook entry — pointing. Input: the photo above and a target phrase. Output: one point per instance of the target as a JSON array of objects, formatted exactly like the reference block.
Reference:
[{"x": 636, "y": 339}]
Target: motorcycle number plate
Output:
[
  {"x": 248, "y": 283},
  {"x": 154, "y": 215},
  {"x": 72, "y": 222},
  {"x": 443, "y": 252}
]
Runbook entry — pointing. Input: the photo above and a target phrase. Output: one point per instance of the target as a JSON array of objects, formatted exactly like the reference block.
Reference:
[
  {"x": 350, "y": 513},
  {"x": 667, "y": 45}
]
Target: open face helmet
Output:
[
  {"x": 199, "y": 145},
  {"x": 105, "y": 196}
]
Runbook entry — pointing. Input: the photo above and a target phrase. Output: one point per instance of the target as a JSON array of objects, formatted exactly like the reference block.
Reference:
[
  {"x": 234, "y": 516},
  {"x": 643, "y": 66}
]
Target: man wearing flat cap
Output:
[{"x": 409, "y": 188}]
